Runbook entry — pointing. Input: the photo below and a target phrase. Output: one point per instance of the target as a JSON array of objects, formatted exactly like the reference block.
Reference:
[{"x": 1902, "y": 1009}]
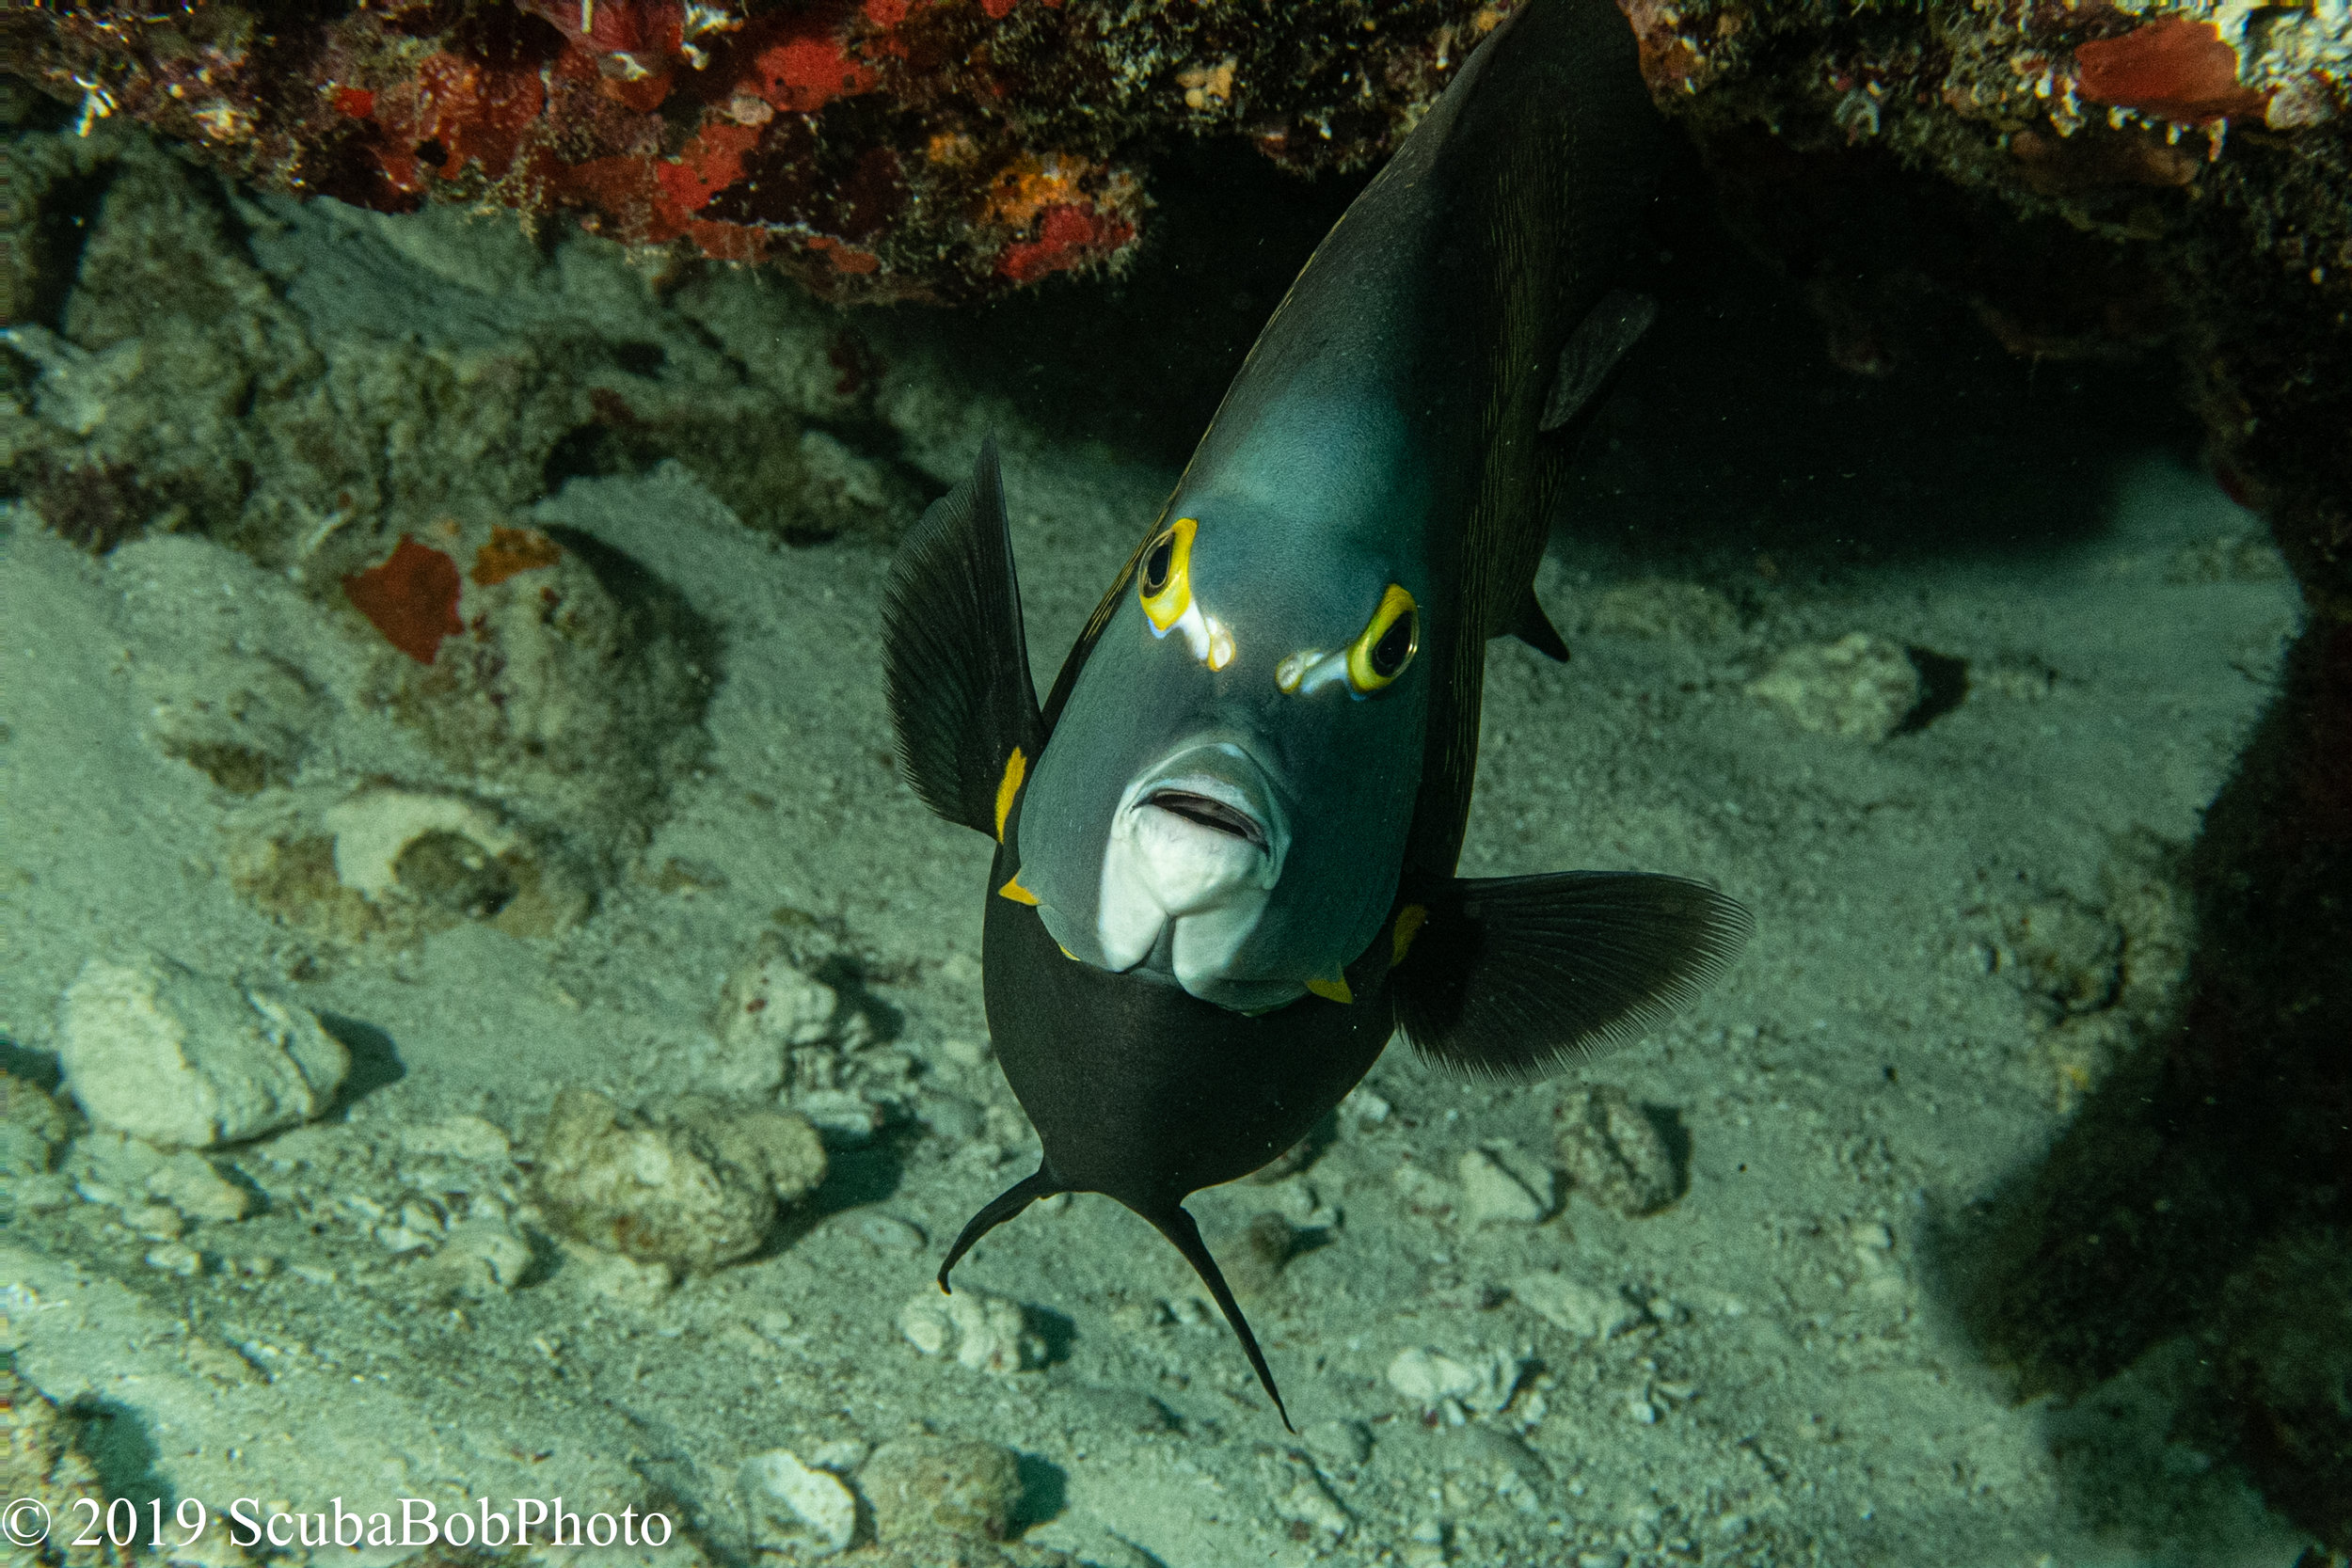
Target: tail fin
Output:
[{"x": 1177, "y": 1226}]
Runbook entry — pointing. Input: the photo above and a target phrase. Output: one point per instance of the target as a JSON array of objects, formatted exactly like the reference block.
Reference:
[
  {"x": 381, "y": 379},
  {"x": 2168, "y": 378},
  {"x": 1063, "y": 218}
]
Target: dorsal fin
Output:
[
  {"x": 1603, "y": 338},
  {"x": 954, "y": 656}
]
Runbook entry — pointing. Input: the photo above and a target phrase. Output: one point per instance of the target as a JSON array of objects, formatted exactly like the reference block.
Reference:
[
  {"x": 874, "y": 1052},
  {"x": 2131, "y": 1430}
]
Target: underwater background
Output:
[{"x": 485, "y": 1021}]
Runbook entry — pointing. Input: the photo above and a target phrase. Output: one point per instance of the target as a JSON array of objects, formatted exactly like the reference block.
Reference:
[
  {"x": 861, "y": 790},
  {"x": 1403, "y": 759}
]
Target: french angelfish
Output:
[{"x": 1224, "y": 873}]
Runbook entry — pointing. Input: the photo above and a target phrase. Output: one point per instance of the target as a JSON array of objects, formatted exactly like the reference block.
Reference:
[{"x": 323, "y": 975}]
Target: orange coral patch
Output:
[
  {"x": 465, "y": 110},
  {"x": 512, "y": 550},
  {"x": 1029, "y": 185},
  {"x": 411, "y": 598},
  {"x": 2172, "y": 70}
]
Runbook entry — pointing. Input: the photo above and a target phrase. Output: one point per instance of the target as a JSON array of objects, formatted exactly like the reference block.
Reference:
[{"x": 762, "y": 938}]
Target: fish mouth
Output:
[{"x": 1208, "y": 812}]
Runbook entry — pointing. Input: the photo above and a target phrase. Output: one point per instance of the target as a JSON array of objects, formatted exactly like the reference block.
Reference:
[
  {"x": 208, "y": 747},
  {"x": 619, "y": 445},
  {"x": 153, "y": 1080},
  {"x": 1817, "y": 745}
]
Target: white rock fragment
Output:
[
  {"x": 1493, "y": 1194},
  {"x": 374, "y": 828},
  {"x": 1859, "y": 688},
  {"x": 1588, "y": 1311},
  {"x": 772, "y": 998},
  {"x": 796, "y": 1508},
  {"x": 987, "y": 1333},
  {"x": 1480, "y": 1381},
  {"x": 1882, "y": 1274},
  {"x": 844, "y": 1117},
  {"x": 626, "y": 1280},
  {"x": 185, "y": 1061},
  {"x": 840, "y": 1455}
]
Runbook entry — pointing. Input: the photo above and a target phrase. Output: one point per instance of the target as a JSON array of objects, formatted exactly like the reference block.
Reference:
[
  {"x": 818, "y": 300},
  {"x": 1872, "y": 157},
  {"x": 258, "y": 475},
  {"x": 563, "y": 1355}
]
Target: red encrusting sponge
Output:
[{"x": 411, "y": 598}]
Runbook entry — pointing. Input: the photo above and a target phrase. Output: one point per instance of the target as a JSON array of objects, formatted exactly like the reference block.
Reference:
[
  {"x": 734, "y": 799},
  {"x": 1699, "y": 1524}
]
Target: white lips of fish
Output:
[{"x": 1199, "y": 841}]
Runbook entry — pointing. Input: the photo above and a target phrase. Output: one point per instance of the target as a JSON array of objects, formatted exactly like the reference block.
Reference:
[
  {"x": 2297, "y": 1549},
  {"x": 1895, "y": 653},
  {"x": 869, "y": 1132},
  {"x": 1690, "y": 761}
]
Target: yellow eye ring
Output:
[
  {"x": 1387, "y": 644},
  {"x": 1163, "y": 577}
]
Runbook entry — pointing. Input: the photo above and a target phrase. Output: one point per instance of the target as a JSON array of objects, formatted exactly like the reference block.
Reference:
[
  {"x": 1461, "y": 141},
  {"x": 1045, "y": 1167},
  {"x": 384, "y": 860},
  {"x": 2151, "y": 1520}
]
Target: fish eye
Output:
[
  {"x": 1156, "y": 562},
  {"x": 1163, "y": 582},
  {"x": 1387, "y": 644}
]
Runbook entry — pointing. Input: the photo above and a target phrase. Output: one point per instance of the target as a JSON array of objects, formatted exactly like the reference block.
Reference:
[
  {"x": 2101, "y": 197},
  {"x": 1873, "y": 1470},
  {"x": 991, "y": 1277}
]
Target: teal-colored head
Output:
[{"x": 1225, "y": 796}]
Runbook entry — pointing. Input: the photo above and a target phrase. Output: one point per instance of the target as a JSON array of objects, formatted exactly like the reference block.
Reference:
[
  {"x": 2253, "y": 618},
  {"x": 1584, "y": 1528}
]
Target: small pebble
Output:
[{"x": 176, "y": 1258}]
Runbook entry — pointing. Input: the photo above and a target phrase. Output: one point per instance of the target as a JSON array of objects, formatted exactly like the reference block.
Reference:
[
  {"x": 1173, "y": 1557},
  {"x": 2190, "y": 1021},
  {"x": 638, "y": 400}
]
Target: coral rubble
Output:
[{"x": 889, "y": 150}]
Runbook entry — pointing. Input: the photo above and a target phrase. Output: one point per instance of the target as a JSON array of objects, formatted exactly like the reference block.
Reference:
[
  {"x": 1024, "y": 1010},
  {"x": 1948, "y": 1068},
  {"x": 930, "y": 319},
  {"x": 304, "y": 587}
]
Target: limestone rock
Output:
[
  {"x": 1859, "y": 688},
  {"x": 1588, "y": 1311},
  {"x": 689, "y": 1181},
  {"x": 986, "y": 1333},
  {"x": 32, "y": 1126},
  {"x": 1493, "y": 1193},
  {"x": 185, "y": 1061},
  {"x": 1615, "y": 1154},
  {"x": 1482, "y": 1381},
  {"x": 796, "y": 1508},
  {"x": 920, "y": 1486}
]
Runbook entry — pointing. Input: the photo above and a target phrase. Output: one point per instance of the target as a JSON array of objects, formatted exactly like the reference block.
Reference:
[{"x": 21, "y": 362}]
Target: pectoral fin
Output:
[
  {"x": 958, "y": 664},
  {"x": 1593, "y": 350},
  {"x": 1515, "y": 976}
]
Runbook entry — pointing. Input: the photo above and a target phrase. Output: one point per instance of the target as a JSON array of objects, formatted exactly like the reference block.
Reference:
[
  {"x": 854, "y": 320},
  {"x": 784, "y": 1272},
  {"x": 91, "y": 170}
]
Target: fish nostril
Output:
[{"x": 1212, "y": 814}]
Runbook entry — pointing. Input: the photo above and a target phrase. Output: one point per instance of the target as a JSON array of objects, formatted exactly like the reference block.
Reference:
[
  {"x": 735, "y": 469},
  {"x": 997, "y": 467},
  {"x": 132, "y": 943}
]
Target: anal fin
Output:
[
  {"x": 955, "y": 656},
  {"x": 1178, "y": 1226},
  {"x": 1593, "y": 350},
  {"x": 1531, "y": 625},
  {"x": 1516, "y": 976},
  {"x": 996, "y": 1212}
]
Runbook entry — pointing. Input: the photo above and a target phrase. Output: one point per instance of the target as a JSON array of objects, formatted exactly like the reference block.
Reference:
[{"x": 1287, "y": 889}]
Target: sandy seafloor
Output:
[{"x": 1781, "y": 1384}]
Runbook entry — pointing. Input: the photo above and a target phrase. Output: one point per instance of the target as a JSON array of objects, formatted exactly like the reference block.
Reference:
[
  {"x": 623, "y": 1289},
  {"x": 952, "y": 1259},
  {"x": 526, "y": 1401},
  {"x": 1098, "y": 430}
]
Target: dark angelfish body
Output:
[{"x": 1225, "y": 845}]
